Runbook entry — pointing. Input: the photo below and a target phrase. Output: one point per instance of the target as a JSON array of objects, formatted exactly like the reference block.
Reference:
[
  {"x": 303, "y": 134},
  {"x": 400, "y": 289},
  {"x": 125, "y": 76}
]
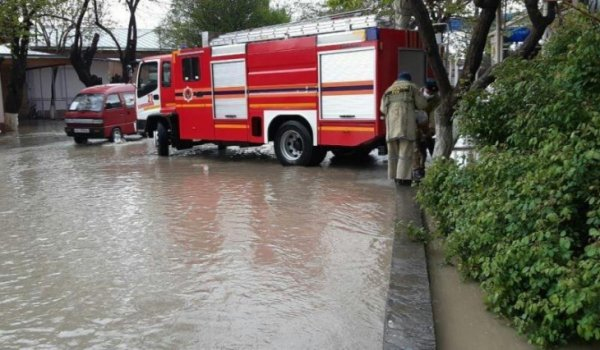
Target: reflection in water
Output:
[{"x": 112, "y": 247}]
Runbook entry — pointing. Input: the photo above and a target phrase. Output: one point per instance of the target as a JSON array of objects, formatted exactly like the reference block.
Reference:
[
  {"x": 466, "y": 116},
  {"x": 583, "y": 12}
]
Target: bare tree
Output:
[
  {"x": 126, "y": 55},
  {"x": 82, "y": 58}
]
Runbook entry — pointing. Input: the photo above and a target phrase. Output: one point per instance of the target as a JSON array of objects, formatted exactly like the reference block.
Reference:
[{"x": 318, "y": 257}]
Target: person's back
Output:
[
  {"x": 398, "y": 104},
  {"x": 400, "y": 100}
]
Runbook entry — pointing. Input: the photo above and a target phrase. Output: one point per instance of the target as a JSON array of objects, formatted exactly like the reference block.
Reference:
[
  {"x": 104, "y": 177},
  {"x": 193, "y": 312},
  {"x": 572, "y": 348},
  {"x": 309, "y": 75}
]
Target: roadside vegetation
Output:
[{"x": 523, "y": 219}]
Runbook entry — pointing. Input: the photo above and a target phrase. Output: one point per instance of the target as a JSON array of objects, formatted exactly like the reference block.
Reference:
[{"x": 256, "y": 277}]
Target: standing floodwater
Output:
[{"x": 109, "y": 246}]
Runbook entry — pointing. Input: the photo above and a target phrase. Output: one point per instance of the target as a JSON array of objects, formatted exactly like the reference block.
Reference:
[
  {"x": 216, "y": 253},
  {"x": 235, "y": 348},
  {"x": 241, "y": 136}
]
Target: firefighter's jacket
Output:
[
  {"x": 398, "y": 105},
  {"x": 433, "y": 102},
  {"x": 432, "y": 105}
]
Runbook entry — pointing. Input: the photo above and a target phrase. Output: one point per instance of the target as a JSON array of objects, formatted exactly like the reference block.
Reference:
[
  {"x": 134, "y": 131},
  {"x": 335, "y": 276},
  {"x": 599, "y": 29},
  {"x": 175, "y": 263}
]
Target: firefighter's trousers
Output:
[{"x": 400, "y": 158}]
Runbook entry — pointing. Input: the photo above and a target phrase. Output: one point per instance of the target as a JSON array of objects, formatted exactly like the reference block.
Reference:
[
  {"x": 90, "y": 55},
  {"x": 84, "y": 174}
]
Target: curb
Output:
[{"x": 409, "y": 315}]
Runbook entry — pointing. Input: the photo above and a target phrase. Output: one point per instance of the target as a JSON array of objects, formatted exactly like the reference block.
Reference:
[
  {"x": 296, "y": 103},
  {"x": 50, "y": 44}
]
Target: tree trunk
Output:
[
  {"x": 402, "y": 13},
  {"x": 53, "y": 93},
  {"x": 444, "y": 137},
  {"x": 478, "y": 41},
  {"x": 128, "y": 61},
  {"x": 16, "y": 84},
  {"x": 82, "y": 62},
  {"x": 539, "y": 23}
]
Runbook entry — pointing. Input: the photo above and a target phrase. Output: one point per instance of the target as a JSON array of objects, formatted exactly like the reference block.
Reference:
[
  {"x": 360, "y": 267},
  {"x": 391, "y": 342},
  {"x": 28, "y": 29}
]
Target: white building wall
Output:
[{"x": 67, "y": 85}]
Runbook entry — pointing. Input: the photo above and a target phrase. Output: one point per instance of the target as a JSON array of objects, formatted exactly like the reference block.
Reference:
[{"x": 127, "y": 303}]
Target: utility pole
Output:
[{"x": 499, "y": 37}]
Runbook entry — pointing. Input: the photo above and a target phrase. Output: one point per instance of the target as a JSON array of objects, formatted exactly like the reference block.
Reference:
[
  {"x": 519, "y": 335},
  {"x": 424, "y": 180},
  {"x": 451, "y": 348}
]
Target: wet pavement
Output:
[{"x": 109, "y": 246}]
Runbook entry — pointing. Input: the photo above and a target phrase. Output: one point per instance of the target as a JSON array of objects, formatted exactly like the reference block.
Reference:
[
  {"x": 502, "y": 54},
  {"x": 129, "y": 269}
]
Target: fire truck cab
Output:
[{"x": 310, "y": 87}]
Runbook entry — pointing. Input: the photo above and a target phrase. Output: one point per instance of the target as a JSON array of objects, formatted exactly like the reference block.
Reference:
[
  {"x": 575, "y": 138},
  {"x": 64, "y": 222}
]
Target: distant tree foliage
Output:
[
  {"x": 186, "y": 20},
  {"x": 17, "y": 18},
  {"x": 349, "y": 5}
]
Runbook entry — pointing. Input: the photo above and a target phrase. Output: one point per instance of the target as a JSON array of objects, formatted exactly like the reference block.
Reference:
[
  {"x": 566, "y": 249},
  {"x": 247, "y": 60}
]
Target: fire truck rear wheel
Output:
[
  {"x": 162, "y": 140},
  {"x": 293, "y": 144}
]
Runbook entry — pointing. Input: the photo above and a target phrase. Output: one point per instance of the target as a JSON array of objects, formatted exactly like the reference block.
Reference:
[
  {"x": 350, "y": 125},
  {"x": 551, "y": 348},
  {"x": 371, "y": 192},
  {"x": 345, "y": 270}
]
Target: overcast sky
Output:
[{"x": 151, "y": 13}]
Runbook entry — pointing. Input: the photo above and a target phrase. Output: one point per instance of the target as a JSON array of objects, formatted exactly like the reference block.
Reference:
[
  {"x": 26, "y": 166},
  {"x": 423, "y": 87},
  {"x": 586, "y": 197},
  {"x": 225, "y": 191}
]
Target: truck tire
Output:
[
  {"x": 294, "y": 144},
  {"x": 162, "y": 140}
]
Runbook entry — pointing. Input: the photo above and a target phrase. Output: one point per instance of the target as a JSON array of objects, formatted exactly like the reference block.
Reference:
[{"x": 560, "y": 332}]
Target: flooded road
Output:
[{"x": 109, "y": 246}]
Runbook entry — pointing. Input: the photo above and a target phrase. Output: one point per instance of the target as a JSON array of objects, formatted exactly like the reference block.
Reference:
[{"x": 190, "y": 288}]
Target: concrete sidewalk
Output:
[{"x": 409, "y": 317}]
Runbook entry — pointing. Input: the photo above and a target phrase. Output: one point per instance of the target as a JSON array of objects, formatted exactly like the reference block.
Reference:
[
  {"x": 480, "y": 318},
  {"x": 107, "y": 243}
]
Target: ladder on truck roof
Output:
[{"x": 330, "y": 24}]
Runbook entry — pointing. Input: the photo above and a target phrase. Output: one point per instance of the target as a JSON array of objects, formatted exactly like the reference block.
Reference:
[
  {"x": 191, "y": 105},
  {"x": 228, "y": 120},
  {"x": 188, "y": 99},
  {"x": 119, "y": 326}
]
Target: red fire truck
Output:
[{"x": 310, "y": 87}]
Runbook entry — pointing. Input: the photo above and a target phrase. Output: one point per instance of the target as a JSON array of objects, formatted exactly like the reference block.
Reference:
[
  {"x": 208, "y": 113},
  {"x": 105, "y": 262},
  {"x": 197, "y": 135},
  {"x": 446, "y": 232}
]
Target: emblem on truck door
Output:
[{"x": 188, "y": 94}]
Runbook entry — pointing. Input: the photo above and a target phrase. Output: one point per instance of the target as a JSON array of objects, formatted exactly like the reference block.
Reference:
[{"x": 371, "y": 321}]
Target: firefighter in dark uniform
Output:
[
  {"x": 426, "y": 128},
  {"x": 398, "y": 105}
]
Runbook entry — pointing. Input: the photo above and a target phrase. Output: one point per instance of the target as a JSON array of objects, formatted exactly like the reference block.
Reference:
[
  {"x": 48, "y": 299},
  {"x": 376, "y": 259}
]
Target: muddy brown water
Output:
[{"x": 108, "y": 246}]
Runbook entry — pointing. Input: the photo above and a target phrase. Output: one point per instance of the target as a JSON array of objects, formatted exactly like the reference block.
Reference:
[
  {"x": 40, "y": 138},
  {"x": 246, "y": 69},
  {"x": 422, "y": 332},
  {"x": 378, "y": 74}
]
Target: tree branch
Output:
[
  {"x": 62, "y": 18},
  {"x": 539, "y": 23},
  {"x": 106, "y": 30},
  {"x": 478, "y": 41},
  {"x": 431, "y": 47}
]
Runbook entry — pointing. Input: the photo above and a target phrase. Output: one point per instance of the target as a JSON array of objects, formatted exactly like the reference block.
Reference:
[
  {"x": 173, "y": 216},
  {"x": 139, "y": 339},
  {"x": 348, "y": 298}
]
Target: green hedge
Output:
[{"x": 523, "y": 219}]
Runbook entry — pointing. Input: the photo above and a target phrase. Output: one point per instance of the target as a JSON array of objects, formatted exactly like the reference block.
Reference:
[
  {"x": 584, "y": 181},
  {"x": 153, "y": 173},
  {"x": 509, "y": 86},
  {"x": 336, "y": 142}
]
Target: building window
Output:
[{"x": 191, "y": 71}]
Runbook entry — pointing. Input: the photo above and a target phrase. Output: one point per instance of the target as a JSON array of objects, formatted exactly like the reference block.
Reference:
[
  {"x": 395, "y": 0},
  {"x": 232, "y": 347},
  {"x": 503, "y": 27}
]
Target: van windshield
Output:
[{"x": 87, "y": 102}]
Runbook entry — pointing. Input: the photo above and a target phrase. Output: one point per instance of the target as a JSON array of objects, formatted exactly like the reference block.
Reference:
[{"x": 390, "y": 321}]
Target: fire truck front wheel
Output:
[
  {"x": 162, "y": 140},
  {"x": 294, "y": 146}
]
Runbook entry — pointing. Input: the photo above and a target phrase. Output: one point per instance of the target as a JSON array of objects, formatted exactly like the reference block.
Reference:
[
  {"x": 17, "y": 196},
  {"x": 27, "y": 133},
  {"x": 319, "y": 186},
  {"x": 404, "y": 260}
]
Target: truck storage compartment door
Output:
[
  {"x": 229, "y": 82},
  {"x": 347, "y": 80},
  {"x": 413, "y": 62}
]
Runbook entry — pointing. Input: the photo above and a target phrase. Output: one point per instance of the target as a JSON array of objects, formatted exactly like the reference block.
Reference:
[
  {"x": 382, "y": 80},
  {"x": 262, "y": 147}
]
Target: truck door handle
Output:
[
  {"x": 230, "y": 116},
  {"x": 156, "y": 97},
  {"x": 347, "y": 116}
]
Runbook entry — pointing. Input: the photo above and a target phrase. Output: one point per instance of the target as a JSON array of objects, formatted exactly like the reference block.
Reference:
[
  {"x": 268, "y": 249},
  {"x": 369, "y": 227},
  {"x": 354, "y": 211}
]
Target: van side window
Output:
[
  {"x": 129, "y": 98},
  {"x": 113, "y": 101},
  {"x": 166, "y": 74},
  {"x": 191, "y": 71}
]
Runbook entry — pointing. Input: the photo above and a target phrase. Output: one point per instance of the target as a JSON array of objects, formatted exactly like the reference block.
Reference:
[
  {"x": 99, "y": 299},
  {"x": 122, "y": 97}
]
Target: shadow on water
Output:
[
  {"x": 233, "y": 153},
  {"x": 364, "y": 162}
]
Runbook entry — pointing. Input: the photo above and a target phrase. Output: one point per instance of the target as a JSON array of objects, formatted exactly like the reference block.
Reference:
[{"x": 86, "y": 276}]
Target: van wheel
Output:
[
  {"x": 116, "y": 136},
  {"x": 293, "y": 144},
  {"x": 162, "y": 140},
  {"x": 80, "y": 140}
]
